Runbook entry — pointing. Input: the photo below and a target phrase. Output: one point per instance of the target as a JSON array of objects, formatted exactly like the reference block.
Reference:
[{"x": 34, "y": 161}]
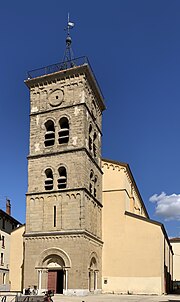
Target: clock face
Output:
[{"x": 56, "y": 97}]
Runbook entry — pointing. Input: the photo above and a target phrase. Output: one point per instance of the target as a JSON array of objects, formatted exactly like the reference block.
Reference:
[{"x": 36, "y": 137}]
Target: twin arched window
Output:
[
  {"x": 63, "y": 134},
  {"x": 61, "y": 181}
]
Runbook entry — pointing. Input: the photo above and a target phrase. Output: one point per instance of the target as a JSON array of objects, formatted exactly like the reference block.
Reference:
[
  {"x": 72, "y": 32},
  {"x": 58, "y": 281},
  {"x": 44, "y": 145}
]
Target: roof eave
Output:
[{"x": 85, "y": 68}]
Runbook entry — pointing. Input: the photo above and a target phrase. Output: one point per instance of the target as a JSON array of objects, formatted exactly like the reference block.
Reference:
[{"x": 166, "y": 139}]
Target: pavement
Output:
[
  {"x": 117, "y": 298},
  {"x": 101, "y": 298}
]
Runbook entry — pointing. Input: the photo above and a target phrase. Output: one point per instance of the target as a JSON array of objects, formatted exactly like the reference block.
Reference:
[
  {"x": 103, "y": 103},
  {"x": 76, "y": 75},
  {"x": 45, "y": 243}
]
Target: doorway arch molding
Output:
[
  {"x": 94, "y": 256},
  {"x": 56, "y": 252}
]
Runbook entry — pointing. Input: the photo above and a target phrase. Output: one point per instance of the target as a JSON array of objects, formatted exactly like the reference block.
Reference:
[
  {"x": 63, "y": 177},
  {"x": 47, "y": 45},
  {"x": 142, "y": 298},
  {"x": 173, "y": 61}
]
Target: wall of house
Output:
[
  {"x": 4, "y": 260},
  {"x": 4, "y": 250},
  {"x": 16, "y": 259}
]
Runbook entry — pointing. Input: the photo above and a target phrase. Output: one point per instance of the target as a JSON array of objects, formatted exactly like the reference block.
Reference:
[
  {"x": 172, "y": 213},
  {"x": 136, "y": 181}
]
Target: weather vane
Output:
[{"x": 68, "y": 55}]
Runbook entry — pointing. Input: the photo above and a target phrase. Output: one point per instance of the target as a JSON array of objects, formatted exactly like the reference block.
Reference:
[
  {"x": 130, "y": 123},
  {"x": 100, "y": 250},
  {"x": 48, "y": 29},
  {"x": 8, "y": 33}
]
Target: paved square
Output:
[{"x": 117, "y": 298}]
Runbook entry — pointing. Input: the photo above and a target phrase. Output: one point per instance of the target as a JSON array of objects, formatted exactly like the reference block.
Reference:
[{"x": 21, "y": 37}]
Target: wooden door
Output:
[{"x": 52, "y": 280}]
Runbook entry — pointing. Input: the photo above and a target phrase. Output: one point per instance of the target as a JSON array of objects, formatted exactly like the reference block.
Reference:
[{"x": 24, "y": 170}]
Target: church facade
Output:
[{"x": 87, "y": 228}]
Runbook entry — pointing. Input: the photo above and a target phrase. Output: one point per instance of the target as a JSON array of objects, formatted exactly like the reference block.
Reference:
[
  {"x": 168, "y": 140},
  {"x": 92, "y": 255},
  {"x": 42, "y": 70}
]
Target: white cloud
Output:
[{"x": 167, "y": 206}]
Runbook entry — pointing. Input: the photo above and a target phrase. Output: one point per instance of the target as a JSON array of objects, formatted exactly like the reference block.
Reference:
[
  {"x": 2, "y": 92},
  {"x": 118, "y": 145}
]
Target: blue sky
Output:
[{"x": 134, "y": 49}]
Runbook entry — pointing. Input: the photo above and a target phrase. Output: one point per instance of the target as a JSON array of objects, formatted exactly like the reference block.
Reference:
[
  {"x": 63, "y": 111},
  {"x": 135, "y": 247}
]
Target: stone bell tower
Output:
[{"x": 63, "y": 246}]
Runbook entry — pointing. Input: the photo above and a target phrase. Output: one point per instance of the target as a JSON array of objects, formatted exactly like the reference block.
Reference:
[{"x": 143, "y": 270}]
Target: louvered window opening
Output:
[
  {"x": 62, "y": 180},
  {"x": 64, "y": 131},
  {"x": 50, "y": 134},
  {"x": 49, "y": 180}
]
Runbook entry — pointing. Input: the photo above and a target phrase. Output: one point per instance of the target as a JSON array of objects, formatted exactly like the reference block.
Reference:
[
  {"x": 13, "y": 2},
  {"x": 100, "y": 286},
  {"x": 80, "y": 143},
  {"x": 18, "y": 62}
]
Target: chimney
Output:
[{"x": 8, "y": 207}]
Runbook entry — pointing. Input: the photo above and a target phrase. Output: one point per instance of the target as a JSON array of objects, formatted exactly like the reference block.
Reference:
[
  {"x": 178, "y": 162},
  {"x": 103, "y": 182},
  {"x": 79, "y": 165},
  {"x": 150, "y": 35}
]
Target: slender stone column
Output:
[
  {"x": 91, "y": 280},
  {"x": 95, "y": 279},
  {"x": 39, "y": 280},
  {"x": 66, "y": 279}
]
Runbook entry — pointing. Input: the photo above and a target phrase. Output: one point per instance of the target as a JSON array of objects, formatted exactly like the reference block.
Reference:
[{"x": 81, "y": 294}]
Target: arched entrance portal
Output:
[
  {"x": 55, "y": 263},
  {"x": 55, "y": 266}
]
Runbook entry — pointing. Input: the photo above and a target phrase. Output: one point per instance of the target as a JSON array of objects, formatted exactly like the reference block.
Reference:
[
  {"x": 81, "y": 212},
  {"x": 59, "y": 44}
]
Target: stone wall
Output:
[{"x": 64, "y": 222}]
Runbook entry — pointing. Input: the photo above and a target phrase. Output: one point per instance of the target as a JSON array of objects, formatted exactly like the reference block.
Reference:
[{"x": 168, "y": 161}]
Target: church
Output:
[{"x": 87, "y": 228}]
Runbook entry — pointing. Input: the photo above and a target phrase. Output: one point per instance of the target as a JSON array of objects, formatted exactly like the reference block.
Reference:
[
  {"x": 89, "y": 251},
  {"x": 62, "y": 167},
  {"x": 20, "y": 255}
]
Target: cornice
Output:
[
  {"x": 113, "y": 166},
  {"x": 55, "y": 153},
  {"x": 76, "y": 70},
  {"x": 66, "y": 191},
  {"x": 63, "y": 234}
]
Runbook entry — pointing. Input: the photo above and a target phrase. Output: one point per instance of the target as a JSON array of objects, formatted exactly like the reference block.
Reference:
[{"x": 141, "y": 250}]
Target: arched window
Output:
[
  {"x": 94, "y": 144},
  {"x": 62, "y": 180},
  {"x": 91, "y": 182},
  {"x": 49, "y": 179},
  {"x": 50, "y": 134},
  {"x": 64, "y": 131},
  {"x": 90, "y": 139},
  {"x": 93, "y": 109},
  {"x": 95, "y": 186}
]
